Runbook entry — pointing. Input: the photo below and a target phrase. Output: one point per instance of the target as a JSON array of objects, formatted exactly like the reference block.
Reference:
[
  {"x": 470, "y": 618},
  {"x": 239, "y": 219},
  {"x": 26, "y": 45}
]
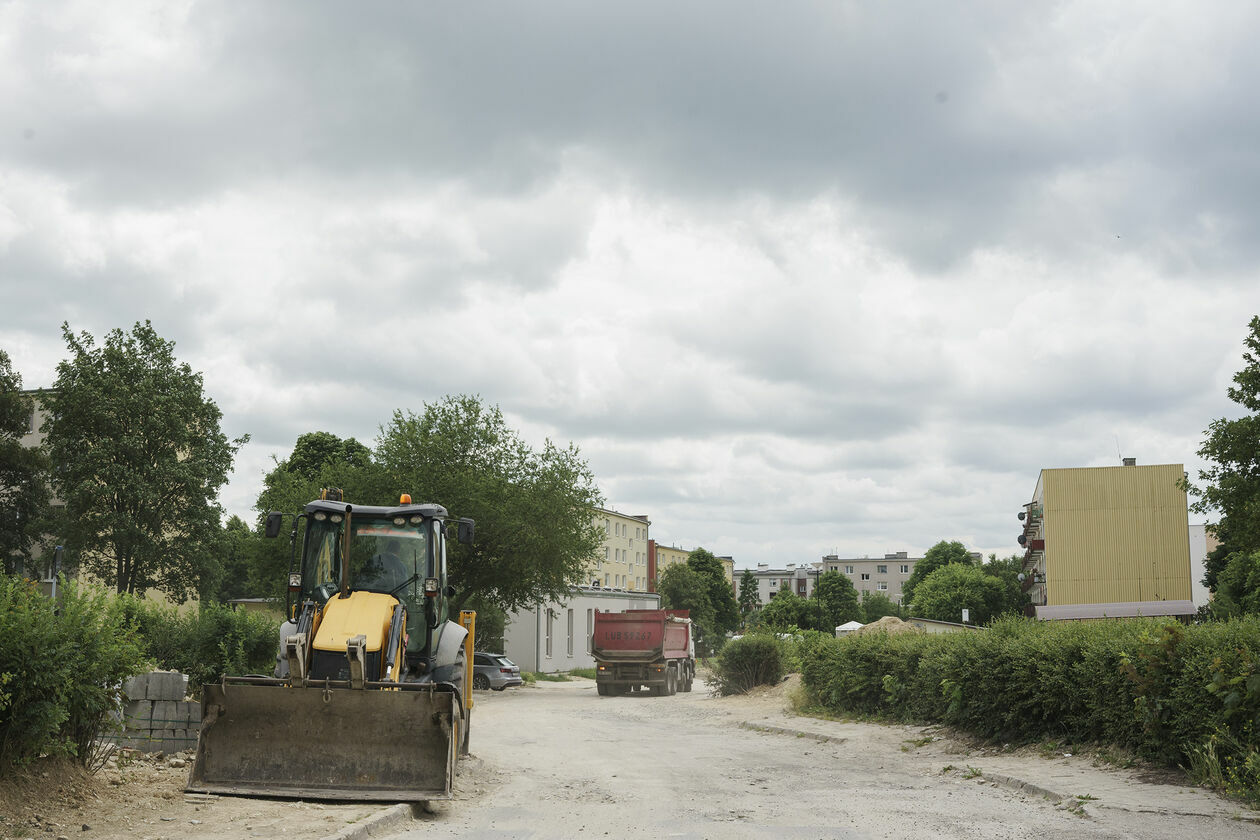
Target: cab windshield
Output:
[{"x": 384, "y": 557}]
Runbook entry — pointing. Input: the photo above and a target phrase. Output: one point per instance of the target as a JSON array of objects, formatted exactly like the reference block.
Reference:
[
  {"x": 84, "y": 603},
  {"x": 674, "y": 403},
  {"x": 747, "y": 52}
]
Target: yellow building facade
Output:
[
  {"x": 624, "y": 560},
  {"x": 1108, "y": 542}
]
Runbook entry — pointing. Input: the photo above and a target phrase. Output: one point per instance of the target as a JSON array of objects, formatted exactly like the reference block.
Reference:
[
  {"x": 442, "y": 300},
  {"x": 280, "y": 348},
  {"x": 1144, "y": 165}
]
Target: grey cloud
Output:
[{"x": 899, "y": 107}]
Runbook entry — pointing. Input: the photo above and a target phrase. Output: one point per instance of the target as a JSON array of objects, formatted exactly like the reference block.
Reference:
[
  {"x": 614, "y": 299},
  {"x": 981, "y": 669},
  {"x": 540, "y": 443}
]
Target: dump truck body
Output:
[
  {"x": 651, "y": 649},
  {"x": 367, "y": 699}
]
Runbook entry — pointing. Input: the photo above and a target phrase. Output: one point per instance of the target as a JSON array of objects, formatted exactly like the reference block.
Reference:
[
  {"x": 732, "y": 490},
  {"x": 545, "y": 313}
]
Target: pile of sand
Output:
[{"x": 889, "y": 624}]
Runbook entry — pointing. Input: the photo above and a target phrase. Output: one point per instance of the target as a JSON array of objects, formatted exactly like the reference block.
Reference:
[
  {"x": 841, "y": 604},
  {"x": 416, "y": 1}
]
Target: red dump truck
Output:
[{"x": 637, "y": 648}]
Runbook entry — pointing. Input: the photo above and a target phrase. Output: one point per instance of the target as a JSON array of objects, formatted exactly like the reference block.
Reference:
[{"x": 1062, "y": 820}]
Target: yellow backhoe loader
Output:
[{"x": 368, "y": 699}]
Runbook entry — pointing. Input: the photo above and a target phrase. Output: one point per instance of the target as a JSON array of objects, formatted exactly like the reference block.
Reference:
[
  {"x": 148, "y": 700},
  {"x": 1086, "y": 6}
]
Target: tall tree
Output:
[
  {"x": 941, "y": 554},
  {"x": 953, "y": 587},
  {"x": 318, "y": 460},
  {"x": 683, "y": 588},
  {"x": 23, "y": 474},
  {"x": 1231, "y": 483},
  {"x": 725, "y": 610},
  {"x": 876, "y": 605},
  {"x": 237, "y": 562},
  {"x": 837, "y": 600},
  {"x": 1238, "y": 589},
  {"x": 315, "y": 450},
  {"x": 535, "y": 535},
  {"x": 749, "y": 598},
  {"x": 139, "y": 461},
  {"x": 1008, "y": 570},
  {"x": 787, "y": 610}
]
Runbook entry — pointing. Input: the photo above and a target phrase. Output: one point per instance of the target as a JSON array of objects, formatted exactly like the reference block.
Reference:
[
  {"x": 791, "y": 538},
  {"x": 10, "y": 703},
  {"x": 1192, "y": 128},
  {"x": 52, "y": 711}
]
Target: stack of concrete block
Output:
[{"x": 156, "y": 717}]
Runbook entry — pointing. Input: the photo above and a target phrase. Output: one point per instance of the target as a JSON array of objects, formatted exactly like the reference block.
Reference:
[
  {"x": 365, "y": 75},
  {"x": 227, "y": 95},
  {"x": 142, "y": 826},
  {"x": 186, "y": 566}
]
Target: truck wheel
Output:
[
  {"x": 671, "y": 683},
  {"x": 602, "y": 688}
]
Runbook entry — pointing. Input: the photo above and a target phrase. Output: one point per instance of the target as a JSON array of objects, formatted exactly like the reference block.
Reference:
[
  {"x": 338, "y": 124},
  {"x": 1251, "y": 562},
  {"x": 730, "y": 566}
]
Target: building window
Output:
[
  {"x": 881, "y": 570},
  {"x": 570, "y": 640},
  {"x": 865, "y": 576},
  {"x": 606, "y": 578},
  {"x": 882, "y": 586},
  {"x": 605, "y": 527},
  {"x": 590, "y": 628},
  {"x": 550, "y": 617},
  {"x": 905, "y": 569},
  {"x": 848, "y": 570}
]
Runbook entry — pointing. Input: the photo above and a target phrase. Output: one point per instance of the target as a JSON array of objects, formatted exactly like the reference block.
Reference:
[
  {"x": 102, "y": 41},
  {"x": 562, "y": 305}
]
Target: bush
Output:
[
  {"x": 206, "y": 644},
  {"x": 1179, "y": 695},
  {"x": 748, "y": 662},
  {"x": 61, "y": 671}
]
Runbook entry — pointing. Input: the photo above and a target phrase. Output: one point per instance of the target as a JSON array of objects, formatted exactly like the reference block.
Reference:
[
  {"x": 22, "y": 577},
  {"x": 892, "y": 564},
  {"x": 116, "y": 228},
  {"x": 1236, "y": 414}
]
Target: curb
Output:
[
  {"x": 1021, "y": 786},
  {"x": 377, "y": 823},
  {"x": 796, "y": 733}
]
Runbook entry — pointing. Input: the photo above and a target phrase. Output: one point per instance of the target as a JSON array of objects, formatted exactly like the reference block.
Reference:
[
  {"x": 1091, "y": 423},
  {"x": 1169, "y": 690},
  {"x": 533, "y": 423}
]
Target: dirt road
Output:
[{"x": 559, "y": 761}]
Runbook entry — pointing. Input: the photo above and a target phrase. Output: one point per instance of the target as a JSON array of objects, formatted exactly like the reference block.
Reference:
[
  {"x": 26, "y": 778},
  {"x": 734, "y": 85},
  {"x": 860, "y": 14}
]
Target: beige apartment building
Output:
[
  {"x": 664, "y": 557},
  {"x": 884, "y": 575},
  {"x": 661, "y": 557},
  {"x": 624, "y": 563},
  {"x": 1108, "y": 542}
]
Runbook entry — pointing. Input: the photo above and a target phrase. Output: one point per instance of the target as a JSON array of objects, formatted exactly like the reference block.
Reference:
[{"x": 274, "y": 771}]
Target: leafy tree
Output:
[
  {"x": 787, "y": 610},
  {"x": 535, "y": 536},
  {"x": 837, "y": 601},
  {"x": 953, "y": 587},
  {"x": 1231, "y": 484},
  {"x": 749, "y": 598},
  {"x": 941, "y": 554},
  {"x": 876, "y": 605},
  {"x": 315, "y": 450},
  {"x": 139, "y": 462},
  {"x": 236, "y": 578},
  {"x": 683, "y": 588},
  {"x": 1238, "y": 587},
  {"x": 318, "y": 460},
  {"x": 23, "y": 474},
  {"x": 1008, "y": 570},
  {"x": 721, "y": 598}
]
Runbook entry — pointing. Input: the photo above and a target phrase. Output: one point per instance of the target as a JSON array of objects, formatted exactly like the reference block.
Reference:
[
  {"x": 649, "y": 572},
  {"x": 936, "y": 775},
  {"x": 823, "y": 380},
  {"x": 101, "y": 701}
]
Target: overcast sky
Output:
[{"x": 796, "y": 277}]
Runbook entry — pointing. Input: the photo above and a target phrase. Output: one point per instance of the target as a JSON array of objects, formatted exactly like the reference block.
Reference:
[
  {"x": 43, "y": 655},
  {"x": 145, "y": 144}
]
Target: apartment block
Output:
[
  {"x": 886, "y": 575},
  {"x": 1108, "y": 542},
  {"x": 623, "y": 563}
]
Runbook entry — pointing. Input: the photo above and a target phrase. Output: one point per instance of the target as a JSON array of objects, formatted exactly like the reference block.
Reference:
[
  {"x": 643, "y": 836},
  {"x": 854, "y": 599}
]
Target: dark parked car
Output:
[{"x": 494, "y": 670}]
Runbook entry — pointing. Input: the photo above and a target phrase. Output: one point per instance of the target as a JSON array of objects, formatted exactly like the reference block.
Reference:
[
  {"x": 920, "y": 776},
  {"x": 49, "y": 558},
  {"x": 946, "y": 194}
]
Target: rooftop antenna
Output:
[{"x": 1119, "y": 457}]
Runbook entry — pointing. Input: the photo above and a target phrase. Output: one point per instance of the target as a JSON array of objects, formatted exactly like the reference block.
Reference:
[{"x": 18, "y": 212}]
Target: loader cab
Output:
[{"x": 398, "y": 551}]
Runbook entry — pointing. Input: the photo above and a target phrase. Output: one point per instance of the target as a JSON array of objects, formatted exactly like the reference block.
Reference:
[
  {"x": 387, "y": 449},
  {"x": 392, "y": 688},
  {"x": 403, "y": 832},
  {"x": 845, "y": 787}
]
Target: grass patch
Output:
[
  {"x": 587, "y": 673},
  {"x": 915, "y": 743},
  {"x": 539, "y": 676}
]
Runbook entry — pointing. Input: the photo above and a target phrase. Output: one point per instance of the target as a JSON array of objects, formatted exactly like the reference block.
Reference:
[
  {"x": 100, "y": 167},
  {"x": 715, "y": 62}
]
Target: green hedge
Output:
[
  {"x": 1186, "y": 696},
  {"x": 61, "y": 670},
  {"x": 206, "y": 643}
]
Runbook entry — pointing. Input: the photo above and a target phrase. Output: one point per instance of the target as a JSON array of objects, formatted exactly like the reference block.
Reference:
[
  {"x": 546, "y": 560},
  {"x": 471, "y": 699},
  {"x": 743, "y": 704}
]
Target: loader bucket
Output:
[{"x": 318, "y": 743}]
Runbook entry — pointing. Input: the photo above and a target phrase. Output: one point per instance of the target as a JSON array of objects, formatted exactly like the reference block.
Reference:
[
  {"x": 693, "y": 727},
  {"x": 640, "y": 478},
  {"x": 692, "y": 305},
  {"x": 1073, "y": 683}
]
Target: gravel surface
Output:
[{"x": 556, "y": 760}]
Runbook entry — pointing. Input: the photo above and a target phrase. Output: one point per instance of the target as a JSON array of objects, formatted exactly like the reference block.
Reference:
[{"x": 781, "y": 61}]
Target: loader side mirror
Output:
[
  {"x": 466, "y": 529},
  {"x": 449, "y": 591},
  {"x": 273, "y": 524}
]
